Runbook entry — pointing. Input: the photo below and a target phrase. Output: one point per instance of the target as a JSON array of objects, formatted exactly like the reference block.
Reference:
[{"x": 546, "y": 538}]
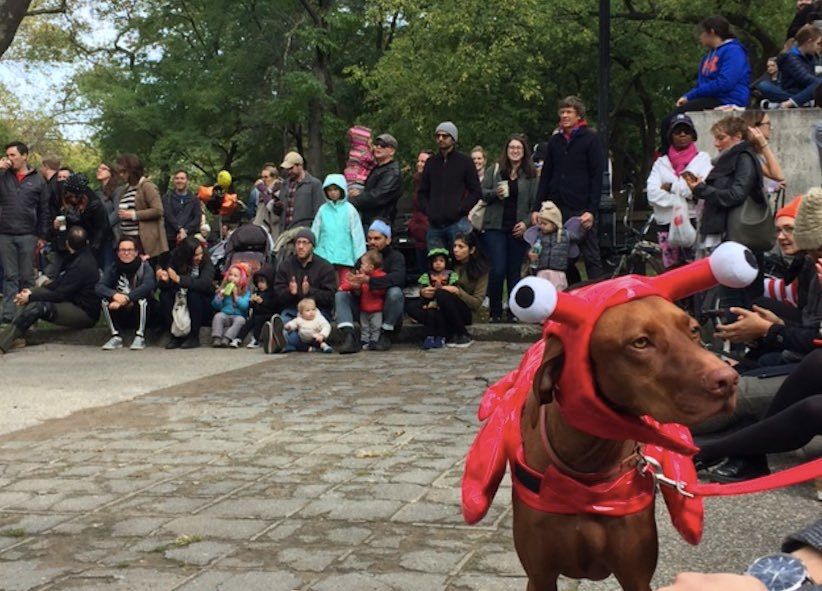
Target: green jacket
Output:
[
  {"x": 527, "y": 193},
  {"x": 471, "y": 292}
]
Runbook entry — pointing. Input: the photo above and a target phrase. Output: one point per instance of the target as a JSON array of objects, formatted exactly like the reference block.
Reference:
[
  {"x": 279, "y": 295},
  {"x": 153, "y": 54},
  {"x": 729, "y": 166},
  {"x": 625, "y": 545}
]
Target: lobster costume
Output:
[{"x": 570, "y": 318}]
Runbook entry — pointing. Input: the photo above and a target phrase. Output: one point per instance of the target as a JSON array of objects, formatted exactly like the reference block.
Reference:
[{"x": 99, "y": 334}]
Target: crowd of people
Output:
[{"x": 71, "y": 253}]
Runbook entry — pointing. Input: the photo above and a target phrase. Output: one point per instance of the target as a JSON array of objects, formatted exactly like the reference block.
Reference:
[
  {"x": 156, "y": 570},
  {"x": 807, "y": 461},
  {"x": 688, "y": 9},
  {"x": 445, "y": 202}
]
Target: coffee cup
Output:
[
  {"x": 61, "y": 222},
  {"x": 505, "y": 191}
]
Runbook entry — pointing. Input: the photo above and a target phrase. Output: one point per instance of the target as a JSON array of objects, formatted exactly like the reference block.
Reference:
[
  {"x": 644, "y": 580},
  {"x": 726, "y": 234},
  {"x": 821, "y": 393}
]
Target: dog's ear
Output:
[{"x": 548, "y": 373}]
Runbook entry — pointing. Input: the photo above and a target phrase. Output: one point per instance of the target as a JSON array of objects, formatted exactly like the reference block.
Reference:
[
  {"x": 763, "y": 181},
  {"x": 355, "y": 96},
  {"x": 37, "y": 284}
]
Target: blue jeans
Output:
[
  {"x": 292, "y": 339},
  {"x": 772, "y": 91},
  {"x": 17, "y": 253},
  {"x": 506, "y": 254},
  {"x": 347, "y": 307},
  {"x": 444, "y": 237}
]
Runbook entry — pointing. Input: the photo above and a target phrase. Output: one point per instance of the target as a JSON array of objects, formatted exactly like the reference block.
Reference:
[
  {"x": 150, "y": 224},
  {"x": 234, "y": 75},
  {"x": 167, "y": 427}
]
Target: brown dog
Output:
[{"x": 646, "y": 360}]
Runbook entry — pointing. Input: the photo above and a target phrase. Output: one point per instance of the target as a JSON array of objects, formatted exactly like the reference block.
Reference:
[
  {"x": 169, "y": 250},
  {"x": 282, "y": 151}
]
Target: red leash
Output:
[{"x": 782, "y": 479}]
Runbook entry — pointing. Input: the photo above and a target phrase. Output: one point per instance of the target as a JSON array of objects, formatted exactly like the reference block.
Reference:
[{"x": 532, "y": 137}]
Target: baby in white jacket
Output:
[{"x": 311, "y": 326}]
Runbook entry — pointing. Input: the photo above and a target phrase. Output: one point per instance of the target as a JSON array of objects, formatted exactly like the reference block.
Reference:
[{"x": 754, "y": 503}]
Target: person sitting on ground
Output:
[
  {"x": 724, "y": 74},
  {"x": 438, "y": 274},
  {"x": 372, "y": 301},
  {"x": 793, "y": 418},
  {"x": 347, "y": 306},
  {"x": 190, "y": 271},
  {"x": 301, "y": 275},
  {"x": 263, "y": 305},
  {"x": 231, "y": 300},
  {"x": 799, "y": 79},
  {"x": 665, "y": 184},
  {"x": 338, "y": 228},
  {"x": 551, "y": 248},
  {"x": 126, "y": 292},
  {"x": 455, "y": 303},
  {"x": 765, "y": 330},
  {"x": 310, "y": 328},
  {"x": 79, "y": 206},
  {"x": 68, "y": 301}
]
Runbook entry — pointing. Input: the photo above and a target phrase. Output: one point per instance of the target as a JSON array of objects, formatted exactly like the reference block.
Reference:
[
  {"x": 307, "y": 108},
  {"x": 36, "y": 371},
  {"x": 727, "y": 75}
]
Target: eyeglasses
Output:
[
  {"x": 763, "y": 124},
  {"x": 266, "y": 176},
  {"x": 124, "y": 250},
  {"x": 441, "y": 136},
  {"x": 380, "y": 144},
  {"x": 787, "y": 230}
]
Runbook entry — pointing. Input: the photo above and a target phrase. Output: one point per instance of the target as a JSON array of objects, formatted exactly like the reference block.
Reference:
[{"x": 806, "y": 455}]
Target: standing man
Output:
[
  {"x": 24, "y": 222},
  {"x": 300, "y": 196},
  {"x": 346, "y": 304},
  {"x": 181, "y": 210},
  {"x": 383, "y": 187},
  {"x": 572, "y": 178},
  {"x": 265, "y": 199},
  {"x": 448, "y": 190}
]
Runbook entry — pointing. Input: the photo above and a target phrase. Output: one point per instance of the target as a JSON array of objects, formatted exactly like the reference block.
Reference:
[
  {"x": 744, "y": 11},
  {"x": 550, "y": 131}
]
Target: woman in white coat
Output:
[{"x": 665, "y": 184}]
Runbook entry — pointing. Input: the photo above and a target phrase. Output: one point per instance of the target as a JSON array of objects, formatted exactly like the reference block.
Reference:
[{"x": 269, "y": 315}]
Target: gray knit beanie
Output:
[{"x": 449, "y": 128}]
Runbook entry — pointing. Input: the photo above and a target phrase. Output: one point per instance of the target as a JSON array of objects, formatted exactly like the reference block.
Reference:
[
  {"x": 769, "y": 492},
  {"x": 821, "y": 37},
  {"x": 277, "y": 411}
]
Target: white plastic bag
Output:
[
  {"x": 180, "y": 317},
  {"x": 681, "y": 232}
]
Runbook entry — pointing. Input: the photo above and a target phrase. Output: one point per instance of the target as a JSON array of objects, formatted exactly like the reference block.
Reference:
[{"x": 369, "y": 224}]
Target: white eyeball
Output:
[
  {"x": 533, "y": 300},
  {"x": 733, "y": 265}
]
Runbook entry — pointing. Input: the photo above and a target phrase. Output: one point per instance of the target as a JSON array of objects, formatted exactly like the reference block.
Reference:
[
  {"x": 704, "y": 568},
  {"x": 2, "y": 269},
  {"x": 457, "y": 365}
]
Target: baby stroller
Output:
[{"x": 249, "y": 244}]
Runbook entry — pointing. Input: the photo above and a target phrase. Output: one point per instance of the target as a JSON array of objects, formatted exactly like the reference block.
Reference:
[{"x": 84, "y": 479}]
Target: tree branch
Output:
[{"x": 57, "y": 10}]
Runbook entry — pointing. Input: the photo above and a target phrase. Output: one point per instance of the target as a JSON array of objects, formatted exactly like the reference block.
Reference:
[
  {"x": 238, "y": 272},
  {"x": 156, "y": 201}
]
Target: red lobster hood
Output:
[{"x": 571, "y": 317}]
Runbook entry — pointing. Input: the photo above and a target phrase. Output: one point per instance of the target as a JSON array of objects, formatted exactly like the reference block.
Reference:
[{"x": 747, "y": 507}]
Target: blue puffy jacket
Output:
[
  {"x": 724, "y": 74},
  {"x": 229, "y": 307},
  {"x": 798, "y": 73},
  {"x": 338, "y": 228}
]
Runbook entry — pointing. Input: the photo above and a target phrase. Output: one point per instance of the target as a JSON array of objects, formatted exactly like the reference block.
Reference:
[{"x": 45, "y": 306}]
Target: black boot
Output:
[
  {"x": 384, "y": 342},
  {"x": 10, "y": 334},
  {"x": 349, "y": 344},
  {"x": 741, "y": 468}
]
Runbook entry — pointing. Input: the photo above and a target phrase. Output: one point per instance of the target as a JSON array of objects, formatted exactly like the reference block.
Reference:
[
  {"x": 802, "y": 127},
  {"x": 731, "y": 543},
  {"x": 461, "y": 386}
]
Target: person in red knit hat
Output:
[{"x": 775, "y": 332}]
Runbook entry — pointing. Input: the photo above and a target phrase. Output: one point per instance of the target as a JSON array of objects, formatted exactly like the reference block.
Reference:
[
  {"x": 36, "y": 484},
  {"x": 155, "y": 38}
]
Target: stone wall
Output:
[{"x": 791, "y": 139}]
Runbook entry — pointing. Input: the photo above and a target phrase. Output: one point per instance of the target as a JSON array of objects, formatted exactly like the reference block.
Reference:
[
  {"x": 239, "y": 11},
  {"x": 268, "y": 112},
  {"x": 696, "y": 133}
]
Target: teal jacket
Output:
[
  {"x": 337, "y": 227},
  {"x": 229, "y": 307}
]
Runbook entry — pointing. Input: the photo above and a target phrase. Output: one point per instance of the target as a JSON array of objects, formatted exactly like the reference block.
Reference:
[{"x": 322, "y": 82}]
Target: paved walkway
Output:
[{"x": 302, "y": 472}]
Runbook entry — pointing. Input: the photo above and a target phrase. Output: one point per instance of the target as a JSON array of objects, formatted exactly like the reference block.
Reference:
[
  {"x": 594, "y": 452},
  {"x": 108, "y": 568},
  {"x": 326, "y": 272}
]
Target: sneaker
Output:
[
  {"x": 384, "y": 342},
  {"x": 216, "y": 342},
  {"x": 138, "y": 344},
  {"x": 175, "y": 343},
  {"x": 372, "y": 346},
  {"x": 326, "y": 348},
  {"x": 495, "y": 320},
  {"x": 115, "y": 342},
  {"x": 461, "y": 341},
  {"x": 439, "y": 342},
  {"x": 364, "y": 346},
  {"x": 428, "y": 343},
  {"x": 278, "y": 333},
  {"x": 265, "y": 337},
  {"x": 235, "y": 344},
  {"x": 253, "y": 344},
  {"x": 313, "y": 350},
  {"x": 226, "y": 342}
]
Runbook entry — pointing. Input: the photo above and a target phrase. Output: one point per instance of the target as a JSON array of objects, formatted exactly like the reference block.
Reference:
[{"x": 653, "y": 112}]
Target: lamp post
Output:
[{"x": 607, "y": 205}]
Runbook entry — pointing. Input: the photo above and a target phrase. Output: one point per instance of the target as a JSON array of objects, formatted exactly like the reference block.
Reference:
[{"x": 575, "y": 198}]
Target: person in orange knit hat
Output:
[{"x": 776, "y": 332}]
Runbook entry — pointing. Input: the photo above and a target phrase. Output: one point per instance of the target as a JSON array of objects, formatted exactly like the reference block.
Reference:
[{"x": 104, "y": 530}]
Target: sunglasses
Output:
[{"x": 381, "y": 144}]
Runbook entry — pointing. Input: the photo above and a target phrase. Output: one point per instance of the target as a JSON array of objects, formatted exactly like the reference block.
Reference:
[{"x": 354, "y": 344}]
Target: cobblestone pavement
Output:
[{"x": 302, "y": 472}]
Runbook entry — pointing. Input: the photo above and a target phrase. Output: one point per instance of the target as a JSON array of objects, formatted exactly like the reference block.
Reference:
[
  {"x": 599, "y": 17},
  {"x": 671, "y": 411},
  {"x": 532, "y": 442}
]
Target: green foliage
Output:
[{"x": 208, "y": 84}]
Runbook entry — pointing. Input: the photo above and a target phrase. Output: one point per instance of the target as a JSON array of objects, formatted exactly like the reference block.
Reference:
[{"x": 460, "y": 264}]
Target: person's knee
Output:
[{"x": 394, "y": 296}]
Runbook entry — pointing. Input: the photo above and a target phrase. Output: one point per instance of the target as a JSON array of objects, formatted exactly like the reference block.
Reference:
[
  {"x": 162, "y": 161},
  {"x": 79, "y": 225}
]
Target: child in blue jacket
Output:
[{"x": 231, "y": 301}]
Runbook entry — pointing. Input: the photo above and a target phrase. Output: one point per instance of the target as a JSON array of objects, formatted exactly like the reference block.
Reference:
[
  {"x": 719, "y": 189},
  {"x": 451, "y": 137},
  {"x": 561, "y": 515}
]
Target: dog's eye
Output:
[{"x": 641, "y": 343}]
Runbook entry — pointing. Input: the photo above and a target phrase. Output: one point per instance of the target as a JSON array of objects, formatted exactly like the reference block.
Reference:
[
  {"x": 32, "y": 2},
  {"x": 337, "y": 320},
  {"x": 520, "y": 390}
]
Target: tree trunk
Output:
[
  {"x": 12, "y": 13},
  {"x": 314, "y": 158}
]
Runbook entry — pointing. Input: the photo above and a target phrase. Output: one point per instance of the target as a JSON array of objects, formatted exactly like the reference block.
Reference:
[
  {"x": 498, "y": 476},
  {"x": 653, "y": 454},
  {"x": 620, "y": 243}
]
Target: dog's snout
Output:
[{"x": 722, "y": 381}]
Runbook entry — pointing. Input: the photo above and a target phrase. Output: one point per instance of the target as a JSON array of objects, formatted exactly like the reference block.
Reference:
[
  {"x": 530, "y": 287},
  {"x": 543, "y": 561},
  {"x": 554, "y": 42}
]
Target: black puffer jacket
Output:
[
  {"x": 267, "y": 307},
  {"x": 93, "y": 218},
  {"x": 24, "y": 205},
  {"x": 322, "y": 280},
  {"x": 736, "y": 176},
  {"x": 75, "y": 283}
]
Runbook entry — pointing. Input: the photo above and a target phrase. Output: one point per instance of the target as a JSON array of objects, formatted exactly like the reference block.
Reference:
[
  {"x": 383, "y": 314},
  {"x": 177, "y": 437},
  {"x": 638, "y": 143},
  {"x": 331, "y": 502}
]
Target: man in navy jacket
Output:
[{"x": 573, "y": 163}]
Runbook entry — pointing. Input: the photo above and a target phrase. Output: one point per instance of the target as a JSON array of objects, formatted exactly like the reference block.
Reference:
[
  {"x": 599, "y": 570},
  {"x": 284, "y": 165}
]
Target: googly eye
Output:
[
  {"x": 533, "y": 300},
  {"x": 733, "y": 265}
]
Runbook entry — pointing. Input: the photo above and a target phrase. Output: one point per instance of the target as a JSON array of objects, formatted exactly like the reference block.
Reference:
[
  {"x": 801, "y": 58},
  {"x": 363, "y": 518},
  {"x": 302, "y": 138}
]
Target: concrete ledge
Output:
[{"x": 413, "y": 333}]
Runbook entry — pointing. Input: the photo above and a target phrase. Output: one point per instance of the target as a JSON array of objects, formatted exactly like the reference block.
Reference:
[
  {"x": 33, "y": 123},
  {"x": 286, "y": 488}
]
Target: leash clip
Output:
[{"x": 649, "y": 465}]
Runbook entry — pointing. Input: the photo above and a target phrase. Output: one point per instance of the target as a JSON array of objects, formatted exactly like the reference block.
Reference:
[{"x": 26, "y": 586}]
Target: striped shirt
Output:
[{"x": 129, "y": 227}]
